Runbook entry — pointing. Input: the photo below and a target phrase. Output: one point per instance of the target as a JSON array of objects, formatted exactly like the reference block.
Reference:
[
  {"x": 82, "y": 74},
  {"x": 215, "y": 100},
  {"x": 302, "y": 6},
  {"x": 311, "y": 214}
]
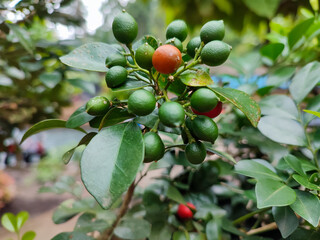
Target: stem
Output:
[
  {"x": 124, "y": 207},
  {"x": 187, "y": 67},
  {"x": 249, "y": 215},
  {"x": 155, "y": 127},
  {"x": 265, "y": 228},
  {"x": 189, "y": 135}
]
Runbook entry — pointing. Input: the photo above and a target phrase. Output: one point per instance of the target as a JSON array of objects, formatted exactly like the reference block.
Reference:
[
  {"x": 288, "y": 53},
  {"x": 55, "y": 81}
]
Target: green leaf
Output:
[
  {"x": 197, "y": 78},
  {"x": 207, "y": 211},
  {"x": 228, "y": 226},
  {"x": 317, "y": 114},
  {"x": 23, "y": 36},
  {"x": 304, "y": 81},
  {"x": 220, "y": 153},
  {"x": 176, "y": 87},
  {"x": 130, "y": 85},
  {"x": 242, "y": 101},
  {"x": 263, "y": 8},
  {"x": 302, "y": 233},
  {"x": 9, "y": 222},
  {"x": 72, "y": 236},
  {"x": 174, "y": 194},
  {"x": 51, "y": 79},
  {"x": 46, "y": 125},
  {"x": 84, "y": 85},
  {"x": 152, "y": 41},
  {"x": 298, "y": 32},
  {"x": 282, "y": 130},
  {"x": 307, "y": 206},
  {"x": 272, "y": 51},
  {"x": 286, "y": 220},
  {"x": 30, "y": 235},
  {"x": 87, "y": 222},
  {"x": 160, "y": 231},
  {"x": 213, "y": 229},
  {"x": 280, "y": 76},
  {"x": 90, "y": 56},
  {"x": 302, "y": 180},
  {"x": 111, "y": 160},
  {"x": 279, "y": 105},
  {"x": 313, "y": 105},
  {"x": 78, "y": 118},
  {"x": 256, "y": 170},
  {"x": 133, "y": 228},
  {"x": 295, "y": 164},
  {"x": 22, "y": 217},
  {"x": 273, "y": 193}
]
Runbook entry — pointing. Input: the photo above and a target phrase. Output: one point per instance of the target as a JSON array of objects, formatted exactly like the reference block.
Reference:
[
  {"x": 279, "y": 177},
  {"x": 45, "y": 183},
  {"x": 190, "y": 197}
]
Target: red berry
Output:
[
  {"x": 212, "y": 113},
  {"x": 185, "y": 211},
  {"x": 166, "y": 59}
]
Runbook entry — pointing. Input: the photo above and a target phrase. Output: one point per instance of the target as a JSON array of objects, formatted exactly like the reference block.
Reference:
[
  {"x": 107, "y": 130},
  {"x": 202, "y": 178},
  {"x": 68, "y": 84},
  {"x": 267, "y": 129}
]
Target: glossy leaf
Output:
[
  {"x": 197, "y": 78},
  {"x": 9, "y": 222},
  {"x": 152, "y": 41},
  {"x": 78, "y": 118},
  {"x": 313, "y": 105},
  {"x": 213, "y": 229},
  {"x": 133, "y": 228},
  {"x": 220, "y": 153},
  {"x": 22, "y": 217},
  {"x": 129, "y": 85},
  {"x": 317, "y": 114},
  {"x": 23, "y": 36},
  {"x": 307, "y": 206},
  {"x": 90, "y": 56},
  {"x": 256, "y": 170},
  {"x": 302, "y": 180},
  {"x": 273, "y": 193},
  {"x": 272, "y": 51},
  {"x": 304, "y": 81},
  {"x": 298, "y": 32},
  {"x": 114, "y": 155},
  {"x": 86, "y": 86},
  {"x": 282, "y": 130},
  {"x": 286, "y": 220},
  {"x": 30, "y": 235},
  {"x": 72, "y": 236},
  {"x": 46, "y": 125},
  {"x": 263, "y": 8},
  {"x": 280, "y": 76},
  {"x": 295, "y": 164},
  {"x": 174, "y": 194},
  {"x": 279, "y": 105}
]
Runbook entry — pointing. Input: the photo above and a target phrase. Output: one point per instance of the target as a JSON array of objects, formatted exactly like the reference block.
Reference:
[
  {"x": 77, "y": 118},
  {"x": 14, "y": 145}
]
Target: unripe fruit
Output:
[
  {"x": 98, "y": 106},
  {"x": 116, "y": 76},
  {"x": 178, "y": 29},
  {"x": 204, "y": 128},
  {"x": 196, "y": 152},
  {"x": 154, "y": 147},
  {"x": 215, "y": 53},
  {"x": 213, "y": 30},
  {"x": 212, "y": 113},
  {"x": 175, "y": 42},
  {"x": 141, "y": 102},
  {"x": 203, "y": 100},
  {"x": 116, "y": 59},
  {"x": 144, "y": 56},
  {"x": 192, "y": 45},
  {"x": 125, "y": 28},
  {"x": 171, "y": 114},
  {"x": 166, "y": 59},
  {"x": 184, "y": 211}
]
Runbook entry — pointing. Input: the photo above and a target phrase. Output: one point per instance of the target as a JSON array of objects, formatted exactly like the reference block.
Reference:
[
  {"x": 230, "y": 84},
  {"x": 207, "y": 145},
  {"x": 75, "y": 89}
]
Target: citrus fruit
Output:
[
  {"x": 97, "y": 106},
  {"x": 116, "y": 59},
  {"x": 212, "y": 113},
  {"x": 178, "y": 29},
  {"x": 192, "y": 45},
  {"x": 171, "y": 114},
  {"x": 154, "y": 147},
  {"x": 213, "y": 30},
  {"x": 124, "y": 28},
  {"x": 175, "y": 42},
  {"x": 204, "y": 128},
  {"x": 203, "y": 100},
  {"x": 116, "y": 76},
  {"x": 141, "y": 102},
  {"x": 185, "y": 211},
  {"x": 196, "y": 152},
  {"x": 215, "y": 53},
  {"x": 166, "y": 59},
  {"x": 144, "y": 56}
]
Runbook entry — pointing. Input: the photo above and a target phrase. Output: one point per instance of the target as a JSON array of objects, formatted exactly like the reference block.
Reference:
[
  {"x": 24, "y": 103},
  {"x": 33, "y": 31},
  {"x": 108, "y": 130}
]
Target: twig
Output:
[{"x": 265, "y": 228}]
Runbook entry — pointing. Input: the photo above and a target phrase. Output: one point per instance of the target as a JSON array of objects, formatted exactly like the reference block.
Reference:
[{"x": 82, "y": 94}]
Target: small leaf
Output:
[
  {"x": 114, "y": 155},
  {"x": 72, "y": 236},
  {"x": 242, "y": 101},
  {"x": 197, "y": 78},
  {"x": 282, "y": 130},
  {"x": 298, "y": 32},
  {"x": 213, "y": 229},
  {"x": 78, "y": 118},
  {"x": 280, "y": 76},
  {"x": 263, "y": 8},
  {"x": 228, "y": 226},
  {"x": 90, "y": 56},
  {"x": 304, "y": 81},
  {"x": 51, "y": 79},
  {"x": 272, "y": 51},
  {"x": 23, "y": 36},
  {"x": 9, "y": 221},
  {"x": 307, "y": 206},
  {"x": 84, "y": 85},
  {"x": 273, "y": 193},
  {"x": 22, "y": 217},
  {"x": 286, "y": 220},
  {"x": 30, "y": 235},
  {"x": 302, "y": 180},
  {"x": 46, "y": 125},
  {"x": 313, "y": 105},
  {"x": 295, "y": 164},
  {"x": 129, "y": 85},
  {"x": 133, "y": 228},
  {"x": 220, "y": 153},
  {"x": 256, "y": 170},
  {"x": 152, "y": 41},
  {"x": 175, "y": 195},
  {"x": 317, "y": 114}
]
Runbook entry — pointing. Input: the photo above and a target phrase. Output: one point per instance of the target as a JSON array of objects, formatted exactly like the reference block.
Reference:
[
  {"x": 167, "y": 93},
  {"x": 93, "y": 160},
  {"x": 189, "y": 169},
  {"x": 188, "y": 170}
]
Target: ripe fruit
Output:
[
  {"x": 178, "y": 29},
  {"x": 116, "y": 59},
  {"x": 171, "y": 114},
  {"x": 125, "y": 28},
  {"x": 196, "y": 152},
  {"x": 116, "y": 76},
  {"x": 203, "y": 100},
  {"x": 141, "y": 102},
  {"x": 185, "y": 211},
  {"x": 204, "y": 128},
  {"x": 215, "y": 53},
  {"x": 192, "y": 45},
  {"x": 144, "y": 56},
  {"x": 212, "y": 113},
  {"x": 154, "y": 147},
  {"x": 166, "y": 59},
  {"x": 97, "y": 106},
  {"x": 175, "y": 42},
  {"x": 213, "y": 30}
]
